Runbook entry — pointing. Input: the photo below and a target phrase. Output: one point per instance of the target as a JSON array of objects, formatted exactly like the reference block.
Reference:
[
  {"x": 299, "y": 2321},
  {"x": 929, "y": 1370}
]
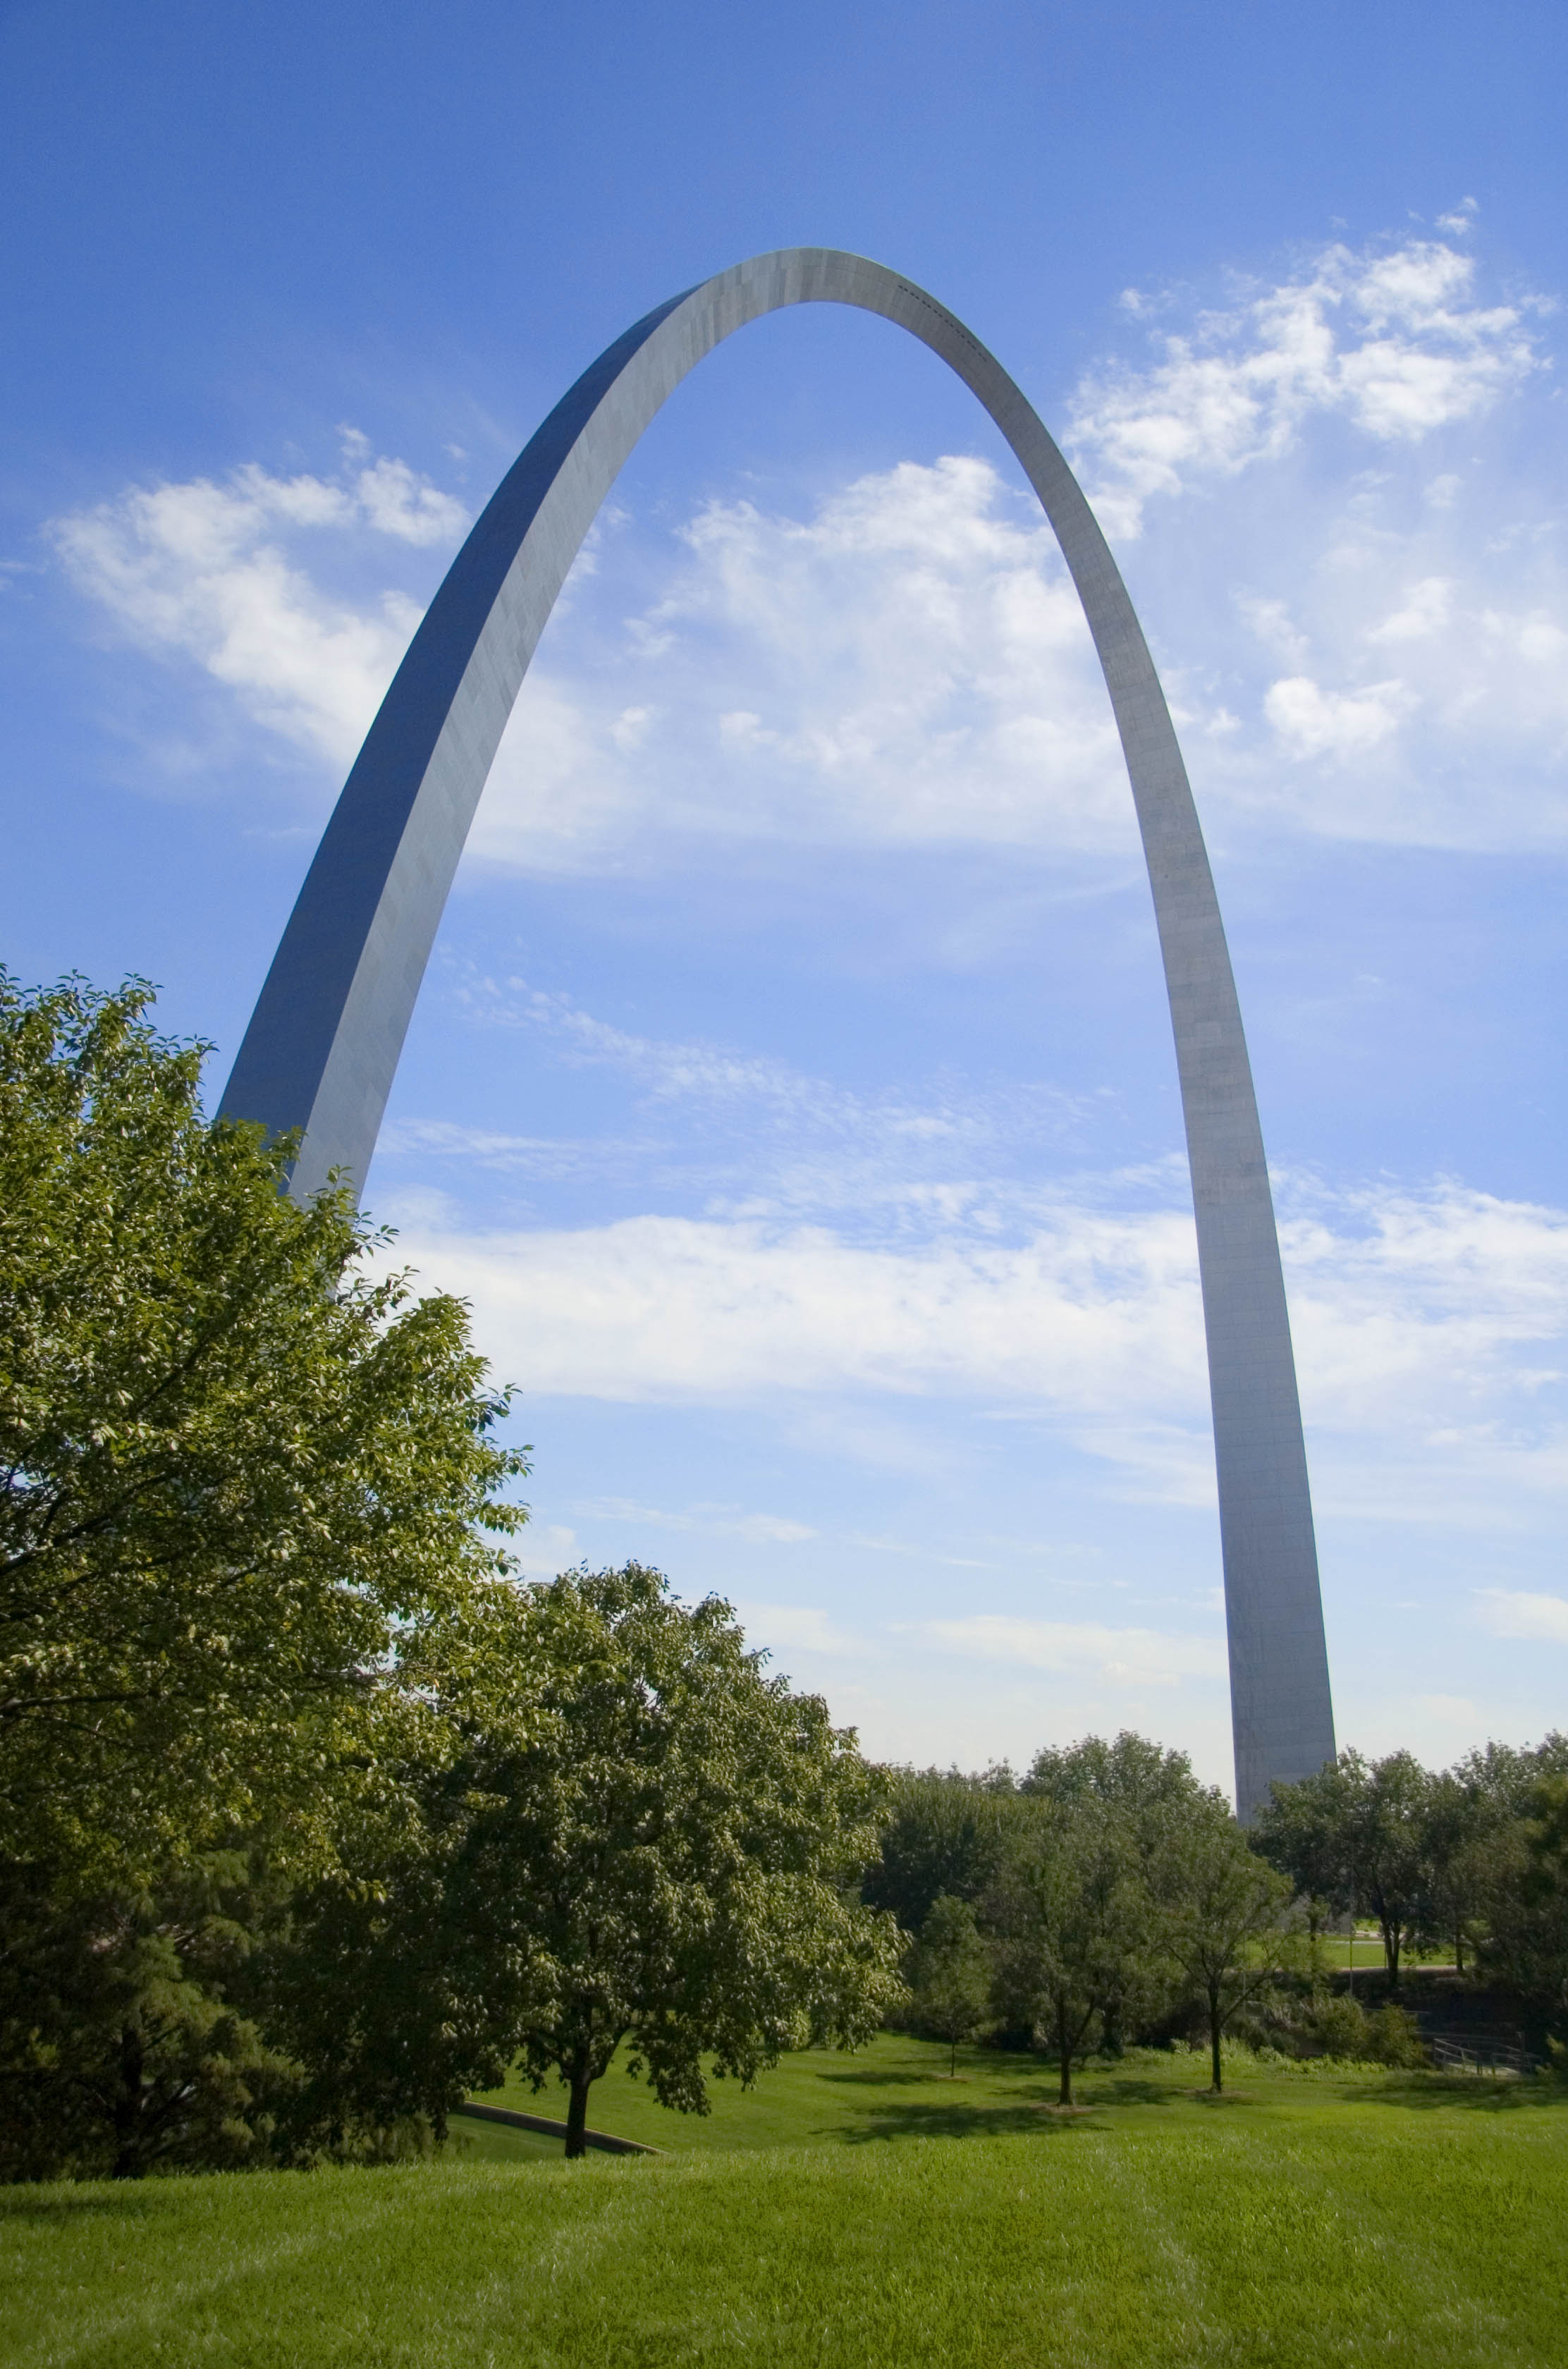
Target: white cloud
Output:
[
  {"x": 395, "y": 500},
  {"x": 1392, "y": 339},
  {"x": 1430, "y": 1330},
  {"x": 1315, "y": 723},
  {"x": 801, "y": 1629},
  {"x": 906, "y": 666},
  {"x": 918, "y": 671},
  {"x": 542, "y": 1551},
  {"x": 719, "y": 1521},
  {"x": 1508, "y": 1613},
  {"x": 1426, "y": 610},
  {"x": 658, "y": 1308},
  {"x": 201, "y": 571},
  {"x": 1143, "y": 1656}
]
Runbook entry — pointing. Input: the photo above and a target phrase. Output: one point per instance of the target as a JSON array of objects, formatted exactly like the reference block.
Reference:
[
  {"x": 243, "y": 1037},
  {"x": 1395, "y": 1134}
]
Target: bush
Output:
[
  {"x": 1395, "y": 2038},
  {"x": 1341, "y": 2027}
]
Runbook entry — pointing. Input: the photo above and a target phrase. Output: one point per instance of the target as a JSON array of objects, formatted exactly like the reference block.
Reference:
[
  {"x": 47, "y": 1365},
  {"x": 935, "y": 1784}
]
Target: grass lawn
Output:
[
  {"x": 899, "y": 2088},
  {"x": 1369, "y": 1951},
  {"x": 1313, "y": 2220}
]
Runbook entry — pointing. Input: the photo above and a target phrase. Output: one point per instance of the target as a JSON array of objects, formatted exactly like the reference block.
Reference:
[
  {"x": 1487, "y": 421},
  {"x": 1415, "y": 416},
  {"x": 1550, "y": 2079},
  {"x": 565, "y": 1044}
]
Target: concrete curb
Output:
[{"x": 542, "y": 2123}]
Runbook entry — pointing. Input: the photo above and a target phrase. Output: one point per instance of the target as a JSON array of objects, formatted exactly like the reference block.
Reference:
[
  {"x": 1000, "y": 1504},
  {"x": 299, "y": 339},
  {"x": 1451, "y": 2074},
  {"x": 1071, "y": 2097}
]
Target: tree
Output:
[
  {"x": 1224, "y": 1917},
  {"x": 1359, "y": 1831},
  {"x": 1480, "y": 1850},
  {"x": 951, "y": 1975},
  {"x": 1464, "y": 1831},
  {"x": 1153, "y": 1790},
  {"x": 1131, "y": 1774},
  {"x": 242, "y": 1473},
  {"x": 670, "y": 1860},
  {"x": 947, "y": 1835},
  {"x": 119, "y": 2051},
  {"x": 384, "y": 1982},
  {"x": 1525, "y": 1942},
  {"x": 1075, "y": 1921}
]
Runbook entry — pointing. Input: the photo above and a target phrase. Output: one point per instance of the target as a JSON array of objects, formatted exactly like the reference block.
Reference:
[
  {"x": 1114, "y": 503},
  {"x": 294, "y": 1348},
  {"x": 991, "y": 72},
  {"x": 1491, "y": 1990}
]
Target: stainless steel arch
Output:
[{"x": 328, "y": 1028}]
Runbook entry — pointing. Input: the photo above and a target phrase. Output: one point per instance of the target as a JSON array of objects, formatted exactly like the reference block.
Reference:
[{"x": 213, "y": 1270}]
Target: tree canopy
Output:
[
  {"x": 669, "y": 1863},
  {"x": 951, "y": 1975},
  {"x": 244, "y": 1469},
  {"x": 1225, "y": 1916},
  {"x": 1074, "y": 1917}
]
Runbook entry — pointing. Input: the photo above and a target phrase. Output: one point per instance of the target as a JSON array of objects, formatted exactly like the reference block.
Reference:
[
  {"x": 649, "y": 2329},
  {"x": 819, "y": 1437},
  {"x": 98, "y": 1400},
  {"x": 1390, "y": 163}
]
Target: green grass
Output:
[
  {"x": 1310, "y": 2221},
  {"x": 897, "y": 2088},
  {"x": 1369, "y": 1951}
]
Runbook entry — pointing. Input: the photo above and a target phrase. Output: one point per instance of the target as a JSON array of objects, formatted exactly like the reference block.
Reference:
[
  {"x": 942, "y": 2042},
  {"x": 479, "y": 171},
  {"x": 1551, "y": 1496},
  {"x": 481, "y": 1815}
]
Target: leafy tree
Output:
[
  {"x": 1359, "y": 1831},
  {"x": 384, "y": 1980},
  {"x": 1464, "y": 1823},
  {"x": 1342, "y": 2027},
  {"x": 1526, "y": 1941},
  {"x": 1481, "y": 1858},
  {"x": 1131, "y": 1774},
  {"x": 1074, "y": 1917},
  {"x": 240, "y": 1475},
  {"x": 1153, "y": 1790},
  {"x": 951, "y": 1975},
  {"x": 946, "y": 1835},
  {"x": 1303, "y": 1830},
  {"x": 1507, "y": 1774},
  {"x": 670, "y": 1860},
  {"x": 384, "y": 2008},
  {"x": 1224, "y": 1916}
]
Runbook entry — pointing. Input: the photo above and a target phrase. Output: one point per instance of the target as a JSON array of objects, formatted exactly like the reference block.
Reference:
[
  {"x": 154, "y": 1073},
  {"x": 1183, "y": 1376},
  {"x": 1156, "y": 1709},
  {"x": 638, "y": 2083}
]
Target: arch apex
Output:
[{"x": 324, "y": 1042}]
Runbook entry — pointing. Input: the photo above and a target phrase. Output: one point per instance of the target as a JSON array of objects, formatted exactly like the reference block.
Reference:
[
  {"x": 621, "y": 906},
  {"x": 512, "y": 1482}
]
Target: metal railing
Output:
[{"x": 1481, "y": 2052}]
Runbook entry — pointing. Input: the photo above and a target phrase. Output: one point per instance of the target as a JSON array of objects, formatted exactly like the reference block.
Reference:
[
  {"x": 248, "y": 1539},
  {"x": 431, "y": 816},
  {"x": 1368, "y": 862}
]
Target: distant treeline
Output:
[{"x": 1473, "y": 1860}]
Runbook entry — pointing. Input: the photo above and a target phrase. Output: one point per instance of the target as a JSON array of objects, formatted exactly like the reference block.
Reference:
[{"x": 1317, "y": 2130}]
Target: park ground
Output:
[{"x": 858, "y": 2210}]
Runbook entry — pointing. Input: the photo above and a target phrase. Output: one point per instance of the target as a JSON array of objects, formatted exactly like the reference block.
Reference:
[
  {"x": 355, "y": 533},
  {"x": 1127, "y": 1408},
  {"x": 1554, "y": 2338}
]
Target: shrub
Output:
[
  {"x": 1395, "y": 2038},
  {"x": 1341, "y": 2027}
]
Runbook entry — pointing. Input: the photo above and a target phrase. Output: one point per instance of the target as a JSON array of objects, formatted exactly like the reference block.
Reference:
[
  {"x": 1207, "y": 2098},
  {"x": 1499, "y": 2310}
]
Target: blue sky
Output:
[{"x": 792, "y": 1090}]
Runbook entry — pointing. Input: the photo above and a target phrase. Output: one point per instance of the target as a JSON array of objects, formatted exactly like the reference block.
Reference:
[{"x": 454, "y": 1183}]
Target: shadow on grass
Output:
[
  {"x": 952, "y": 2120},
  {"x": 64, "y": 2204},
  {"x": 878, "y": 2076},
  {"x": 1127, "y": 2089},
  {"x": 1471, "y": 2092}
]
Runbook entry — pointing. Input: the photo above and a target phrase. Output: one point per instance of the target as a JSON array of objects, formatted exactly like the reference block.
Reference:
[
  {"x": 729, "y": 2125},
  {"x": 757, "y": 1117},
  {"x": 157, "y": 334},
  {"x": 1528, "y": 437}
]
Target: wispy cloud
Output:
[
  {"x": 1143, "y": 1656},
  {"x": 1430, "y": 1331},
  {"x": 717, "y": 1520},
  {"x": 1508, "y": 1613},
  {"x": 803, "y": 1628},
  {"x": 201, "y": 571},
  {"x": 759, "y": 1128},
  {"x": 1360, "y": 603},
  {"x": 1391, "y": 338}
]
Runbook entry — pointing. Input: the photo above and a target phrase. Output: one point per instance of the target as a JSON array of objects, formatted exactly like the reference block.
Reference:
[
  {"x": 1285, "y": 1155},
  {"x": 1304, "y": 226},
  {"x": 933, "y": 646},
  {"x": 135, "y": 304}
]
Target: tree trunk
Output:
[
  {"x": 1214, "y": 2026},
  {"x": 576, "y": 2114},
  {"x": 128, "y": 2163},
  {"x": 1064, "y": 2051},
  {"x": 1391, "y": 1955},
  {"x": 1459, "y": 1949}
]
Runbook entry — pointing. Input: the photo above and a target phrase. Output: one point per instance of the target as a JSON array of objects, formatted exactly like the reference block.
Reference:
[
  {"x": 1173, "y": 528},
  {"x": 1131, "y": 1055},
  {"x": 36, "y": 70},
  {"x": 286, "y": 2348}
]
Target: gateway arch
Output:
[{"x": 324, "y": 1042}]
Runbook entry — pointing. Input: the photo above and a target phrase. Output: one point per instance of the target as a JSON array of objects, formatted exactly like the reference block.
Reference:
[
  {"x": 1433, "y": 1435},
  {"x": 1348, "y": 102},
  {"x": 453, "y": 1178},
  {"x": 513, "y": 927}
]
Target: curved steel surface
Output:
[{"x": 324, "y": 1039}]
